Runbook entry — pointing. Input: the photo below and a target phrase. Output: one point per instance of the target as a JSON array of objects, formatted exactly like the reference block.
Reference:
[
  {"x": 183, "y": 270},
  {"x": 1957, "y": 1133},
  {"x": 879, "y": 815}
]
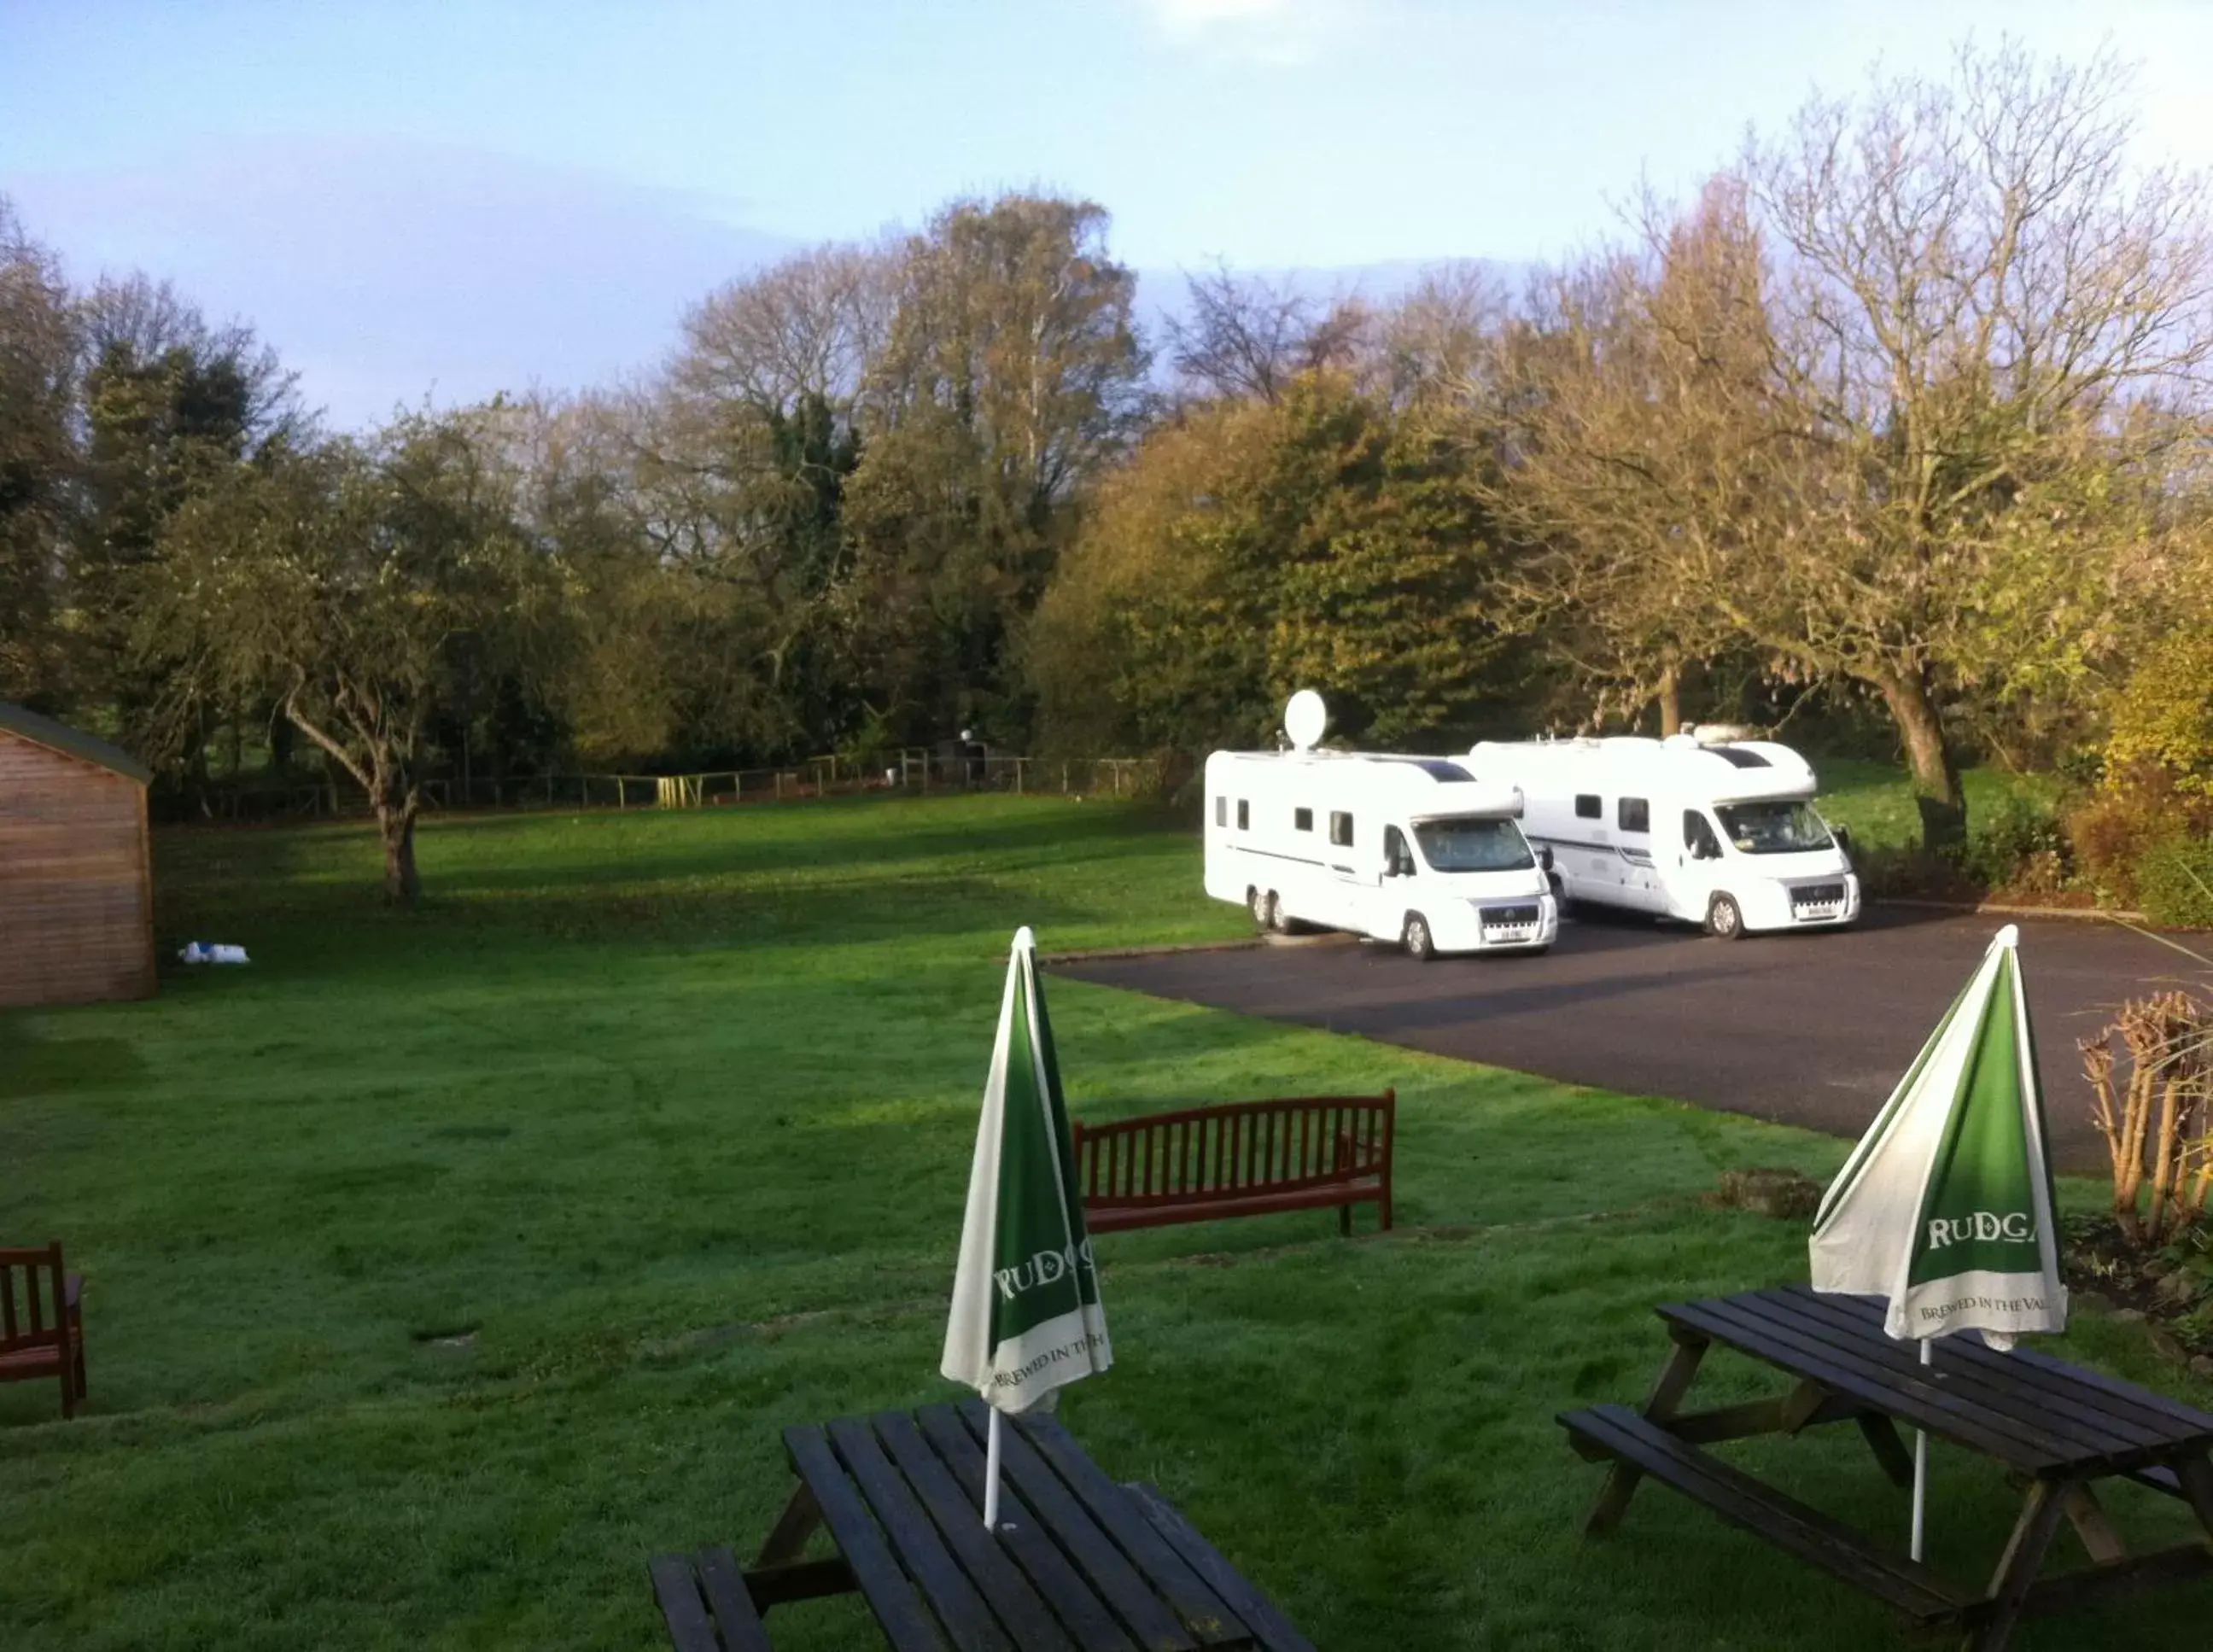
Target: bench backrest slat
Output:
[
  {"x": 34, "y": 1327},
  {"x": 1274, "y": 1146}
]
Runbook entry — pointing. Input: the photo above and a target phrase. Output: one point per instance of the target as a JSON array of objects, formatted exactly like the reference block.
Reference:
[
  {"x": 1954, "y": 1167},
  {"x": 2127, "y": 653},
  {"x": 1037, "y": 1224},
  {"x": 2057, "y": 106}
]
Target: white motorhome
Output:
[
  {"x": 1721, "y": 833},
  {"x": 1405, "y": 848}
]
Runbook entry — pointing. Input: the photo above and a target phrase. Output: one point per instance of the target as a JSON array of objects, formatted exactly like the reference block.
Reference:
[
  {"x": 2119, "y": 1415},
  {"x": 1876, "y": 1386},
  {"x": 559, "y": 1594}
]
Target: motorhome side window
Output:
[
  {"x": 1698, "y": 837},
  {"x": 1587, "y": 808},
  {"x": 1244, "y": 815},
  {"x": 1340, "y": 828},
  {"x": 1302, "y": 820},
  {"x": 1633, "y": 815},
  {"x": 1222, "y": 811}
]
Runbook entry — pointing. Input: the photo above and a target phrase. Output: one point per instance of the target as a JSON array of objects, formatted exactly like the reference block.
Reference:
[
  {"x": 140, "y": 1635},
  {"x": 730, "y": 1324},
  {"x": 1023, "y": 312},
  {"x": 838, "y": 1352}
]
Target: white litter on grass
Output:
[{"x": 194, "y": 952}]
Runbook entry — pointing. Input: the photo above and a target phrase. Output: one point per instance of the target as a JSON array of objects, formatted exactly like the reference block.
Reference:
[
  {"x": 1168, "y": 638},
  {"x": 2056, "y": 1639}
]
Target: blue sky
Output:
[{"x": 444, "y": 199}]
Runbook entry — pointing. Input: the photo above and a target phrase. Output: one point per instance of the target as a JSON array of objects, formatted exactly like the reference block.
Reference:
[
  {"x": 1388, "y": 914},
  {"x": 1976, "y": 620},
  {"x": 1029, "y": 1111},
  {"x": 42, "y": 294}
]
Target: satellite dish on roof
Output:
[{"x": 1306, "y": 719}]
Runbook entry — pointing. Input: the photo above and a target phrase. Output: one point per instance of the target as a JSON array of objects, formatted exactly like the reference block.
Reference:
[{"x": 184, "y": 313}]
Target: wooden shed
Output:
[{"x": 76, "y": 887}]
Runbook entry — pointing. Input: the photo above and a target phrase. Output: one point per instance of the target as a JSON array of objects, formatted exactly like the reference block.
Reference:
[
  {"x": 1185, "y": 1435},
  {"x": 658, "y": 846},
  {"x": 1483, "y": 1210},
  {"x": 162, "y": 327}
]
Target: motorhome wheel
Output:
[
  {"x": 1723, "y": 921},
  {"x": 1256, "y": 902},
  {"x": 1419, "y": 946}
]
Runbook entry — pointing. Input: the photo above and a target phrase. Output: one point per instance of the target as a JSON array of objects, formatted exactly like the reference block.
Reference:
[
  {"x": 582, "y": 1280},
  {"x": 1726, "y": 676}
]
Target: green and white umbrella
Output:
[
  {"x": 1945, "y": 1207},
  {"x": 1026, "y": 1318}
]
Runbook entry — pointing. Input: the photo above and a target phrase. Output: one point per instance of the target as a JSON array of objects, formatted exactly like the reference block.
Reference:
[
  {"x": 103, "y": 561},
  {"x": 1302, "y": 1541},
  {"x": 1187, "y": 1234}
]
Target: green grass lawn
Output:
[
  {"x": 1876, "y": 800},
  {"x": 442, "y": 1266}
]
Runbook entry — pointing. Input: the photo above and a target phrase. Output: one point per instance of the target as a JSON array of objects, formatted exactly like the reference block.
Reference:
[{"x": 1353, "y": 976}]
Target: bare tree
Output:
[
  {"x": 1247, "y": 337},
  {"x": 1902, "y": 404},
  {"x": 1634, "y": 410},
  {"x": 1438, "y": 342},
  {"x": 1977, "y": 301},
  {"x": 811, "y": 326},
  {"x": 736, "y": 464}
]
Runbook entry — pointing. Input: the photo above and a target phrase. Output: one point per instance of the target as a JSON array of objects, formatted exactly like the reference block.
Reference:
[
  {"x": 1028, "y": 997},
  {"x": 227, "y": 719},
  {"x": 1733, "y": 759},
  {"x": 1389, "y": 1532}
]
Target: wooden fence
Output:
[{"x": 913, "y": 773}]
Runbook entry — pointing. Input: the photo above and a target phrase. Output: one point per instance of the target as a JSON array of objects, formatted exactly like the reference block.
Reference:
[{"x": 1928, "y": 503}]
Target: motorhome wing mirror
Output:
[
  {"x": 1545, "y": 856},
  {"x": 1844, "y": 837}
]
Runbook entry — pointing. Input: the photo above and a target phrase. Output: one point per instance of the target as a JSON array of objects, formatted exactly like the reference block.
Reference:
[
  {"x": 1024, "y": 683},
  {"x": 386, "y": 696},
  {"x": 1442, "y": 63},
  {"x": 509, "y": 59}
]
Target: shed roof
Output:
[{"x": 71, "y": 742}]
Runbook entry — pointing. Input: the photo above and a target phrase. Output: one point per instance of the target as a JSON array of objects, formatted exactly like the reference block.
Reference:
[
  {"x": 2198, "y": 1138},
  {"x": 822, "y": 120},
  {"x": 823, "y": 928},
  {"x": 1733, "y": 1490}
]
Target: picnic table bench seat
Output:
[
  {"x": 1238, "y": 1158},
  {"x": 2055, "y": 1429},
  {"x": 1617, "y": 1433},
  {"x": 705, "y": 1603},
  {"x": 1078, "y": 1564}
]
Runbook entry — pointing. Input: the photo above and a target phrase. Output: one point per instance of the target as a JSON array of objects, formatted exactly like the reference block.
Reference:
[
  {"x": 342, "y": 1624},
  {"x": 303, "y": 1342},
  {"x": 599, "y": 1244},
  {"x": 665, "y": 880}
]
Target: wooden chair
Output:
[{"x": 42, "y": 1330}]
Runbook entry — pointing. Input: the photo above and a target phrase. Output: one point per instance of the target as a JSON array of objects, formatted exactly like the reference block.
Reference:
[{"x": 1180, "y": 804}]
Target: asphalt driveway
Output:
[{"x": 1810, "y": 1029}]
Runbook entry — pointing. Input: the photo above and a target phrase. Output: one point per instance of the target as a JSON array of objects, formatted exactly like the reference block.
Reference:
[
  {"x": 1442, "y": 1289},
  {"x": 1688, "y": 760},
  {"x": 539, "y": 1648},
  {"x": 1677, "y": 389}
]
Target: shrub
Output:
[
  {"x": 2017, "y": 843},
  {"x": 2152, "y": 1107},
  {"x": 2163, "y": 718},
  {"x": 2137, "y": 812},
  {"x": 1907, "y": 870},
  {"x": 2174, "y": 884}
]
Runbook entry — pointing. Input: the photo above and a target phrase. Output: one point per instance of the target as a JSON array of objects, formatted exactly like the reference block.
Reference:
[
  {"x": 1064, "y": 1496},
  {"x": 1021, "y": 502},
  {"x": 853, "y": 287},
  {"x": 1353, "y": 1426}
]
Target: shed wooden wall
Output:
[{"x": 75, "y": 917}]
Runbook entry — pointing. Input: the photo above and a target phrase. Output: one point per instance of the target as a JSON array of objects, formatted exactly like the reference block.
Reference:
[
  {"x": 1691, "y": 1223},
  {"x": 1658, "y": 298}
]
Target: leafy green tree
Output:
[
  {"x": 38, "y": 459},
  {"x": 354, "y": 585},
  {"x": 170, "y": 404},
  {"x": 1010, "y": 379},
  {"x": 2162, "y": 712},
  {"x": 1319, "y": 540},
  {"x": 737, "y": 464}
]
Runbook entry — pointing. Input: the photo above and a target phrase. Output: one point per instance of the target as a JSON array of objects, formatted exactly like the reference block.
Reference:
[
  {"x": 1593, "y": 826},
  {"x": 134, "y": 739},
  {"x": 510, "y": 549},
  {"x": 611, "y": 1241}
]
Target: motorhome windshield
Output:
[
  {"x": 1774, "y": 828},
  {"x": 1474, "y": 845}
]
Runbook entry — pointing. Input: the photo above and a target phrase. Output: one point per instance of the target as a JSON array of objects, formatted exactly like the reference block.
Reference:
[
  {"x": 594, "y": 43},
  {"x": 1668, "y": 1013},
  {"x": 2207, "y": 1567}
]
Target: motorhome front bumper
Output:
[
  {"x": 1829, "y": 900},
  {"x": 1516, "y": 923}
]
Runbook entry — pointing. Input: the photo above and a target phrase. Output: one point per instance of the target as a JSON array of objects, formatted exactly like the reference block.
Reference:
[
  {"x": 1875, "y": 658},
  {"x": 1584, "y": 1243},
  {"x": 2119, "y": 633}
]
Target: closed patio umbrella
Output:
[
  {"x": 1945, "y": 1207},
  {"x": 1026, "y": 1318}
]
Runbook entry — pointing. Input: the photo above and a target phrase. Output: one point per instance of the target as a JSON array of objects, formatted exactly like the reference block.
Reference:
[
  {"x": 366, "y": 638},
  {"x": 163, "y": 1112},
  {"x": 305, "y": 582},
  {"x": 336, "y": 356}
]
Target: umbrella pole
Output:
[
  {"x": 1920, "y": 1469},
  {"x": 992, "y": 1475}
]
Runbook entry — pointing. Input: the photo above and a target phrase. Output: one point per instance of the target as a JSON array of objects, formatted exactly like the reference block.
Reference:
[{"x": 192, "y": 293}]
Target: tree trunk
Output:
[
  {"x": 1935, "y": 769},
  {"x": 395, "y": 823},
  {"x": 1671, "y": 702},
  {"x": 397, "y": 801}
]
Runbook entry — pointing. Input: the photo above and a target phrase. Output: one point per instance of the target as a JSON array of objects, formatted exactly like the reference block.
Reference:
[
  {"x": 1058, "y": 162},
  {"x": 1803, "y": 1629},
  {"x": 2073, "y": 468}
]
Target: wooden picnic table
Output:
[
  {"x": 1078, "y": 1564},
  {"x": 2057, "y": 1429}
]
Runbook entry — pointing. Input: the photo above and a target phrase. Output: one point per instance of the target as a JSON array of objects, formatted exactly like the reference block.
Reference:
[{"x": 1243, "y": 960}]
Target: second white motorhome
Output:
[
  {"x": 1723, "y": 834},
  {"x": 1404, "y": 849}
]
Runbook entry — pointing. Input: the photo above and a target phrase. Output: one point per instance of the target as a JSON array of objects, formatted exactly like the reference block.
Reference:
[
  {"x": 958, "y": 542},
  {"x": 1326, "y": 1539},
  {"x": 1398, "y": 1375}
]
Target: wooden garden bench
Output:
[
  {"x": 41, "y": 1330},
  {"x": 1238, "y": 1158}
]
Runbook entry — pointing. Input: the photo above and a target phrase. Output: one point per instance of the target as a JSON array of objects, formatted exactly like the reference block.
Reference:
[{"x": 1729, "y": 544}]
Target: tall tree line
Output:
[
  {"x": 822, "y": 525},
  {"x": 1900, "y": 423},
  {"x": 1906, "y": 415}
]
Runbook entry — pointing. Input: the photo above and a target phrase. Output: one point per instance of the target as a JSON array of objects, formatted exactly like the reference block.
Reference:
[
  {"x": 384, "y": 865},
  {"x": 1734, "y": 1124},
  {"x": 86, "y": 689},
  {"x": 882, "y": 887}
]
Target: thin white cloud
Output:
[{"x": 1286, "y": 32}]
